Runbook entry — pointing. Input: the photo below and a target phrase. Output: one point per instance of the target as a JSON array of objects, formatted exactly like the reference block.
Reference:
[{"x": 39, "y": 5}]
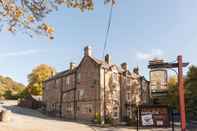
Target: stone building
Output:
[{"x": 95, "y": 87}]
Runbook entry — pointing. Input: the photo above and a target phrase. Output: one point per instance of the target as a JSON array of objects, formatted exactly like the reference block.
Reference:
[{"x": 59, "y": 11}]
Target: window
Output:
[
  {"x": 68, "y": 81},
  {"x": 88, "y": 108},
  {"x": 69, "y": 107},
  {"x": 115, "y": 77},
  {"x": 115, "y": 112},
  {"x": 129, "y": 82},
  {"x": 64, "y": 96},
  {"x": 94, "y": 83},
  {"x": 115, "y": 108},
  {"x": 80, "y": 93},
  {"x": 128, "y": 96},
  {"x": 78, "y": 77}
]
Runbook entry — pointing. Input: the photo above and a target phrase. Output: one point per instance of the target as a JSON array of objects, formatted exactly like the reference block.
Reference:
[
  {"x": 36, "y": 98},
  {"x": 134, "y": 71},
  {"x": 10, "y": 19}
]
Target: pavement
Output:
[{"x": 129, "y": 129}]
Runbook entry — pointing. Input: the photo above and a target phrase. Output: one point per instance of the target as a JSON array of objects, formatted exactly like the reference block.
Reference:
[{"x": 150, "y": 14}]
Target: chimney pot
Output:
[
  {"x": 72, "y": 65},
  {"x": 87, "y": 51},
  {"x": 124, "y": 66},
  {"x": 136, "y": 70},
  {"x": 108, "y": 59}
]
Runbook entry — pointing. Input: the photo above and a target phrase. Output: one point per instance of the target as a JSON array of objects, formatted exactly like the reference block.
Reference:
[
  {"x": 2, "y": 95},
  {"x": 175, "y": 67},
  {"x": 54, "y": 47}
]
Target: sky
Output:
[{"x": 140, "y": 30}]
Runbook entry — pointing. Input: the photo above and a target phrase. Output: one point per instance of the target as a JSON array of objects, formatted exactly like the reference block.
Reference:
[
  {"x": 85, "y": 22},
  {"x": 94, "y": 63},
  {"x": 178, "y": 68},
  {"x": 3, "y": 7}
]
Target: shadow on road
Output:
[
  {"x": 27, "y": 112},
  {"x": 37, "y": 114}
]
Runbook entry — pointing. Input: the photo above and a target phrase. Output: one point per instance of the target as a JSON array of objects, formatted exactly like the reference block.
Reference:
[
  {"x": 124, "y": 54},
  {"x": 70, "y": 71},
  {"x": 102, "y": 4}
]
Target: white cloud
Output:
[
  {"x": 154, "y": 53},
  {"x": 20, "y": 53},
  {"x": 141, "y": 55},
  {"x": 157, "y": 52}
]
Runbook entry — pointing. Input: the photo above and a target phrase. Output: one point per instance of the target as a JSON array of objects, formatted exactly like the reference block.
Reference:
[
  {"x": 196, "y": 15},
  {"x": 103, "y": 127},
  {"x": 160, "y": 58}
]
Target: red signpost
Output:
[
  {"x": 181, "y": 93},
  {"x": 180, "y": 66}
]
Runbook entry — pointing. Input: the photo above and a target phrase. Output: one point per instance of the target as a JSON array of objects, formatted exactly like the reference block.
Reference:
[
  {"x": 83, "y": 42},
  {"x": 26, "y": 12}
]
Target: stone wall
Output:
[
  {"x": 110, "y": 93},
  {"x": 51, "y": 96},
  {"x": 87, "y": 92}
]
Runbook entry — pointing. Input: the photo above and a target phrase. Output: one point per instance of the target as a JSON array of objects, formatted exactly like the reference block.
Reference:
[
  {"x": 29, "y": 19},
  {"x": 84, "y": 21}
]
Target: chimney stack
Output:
[
  {"x": 72, "y": 65},
  {"x": 108, "y": 59},
  {"x": 124, "y": 66},
  {"x": 136, "y": 70},
  {"x": 87, "y": 51}
]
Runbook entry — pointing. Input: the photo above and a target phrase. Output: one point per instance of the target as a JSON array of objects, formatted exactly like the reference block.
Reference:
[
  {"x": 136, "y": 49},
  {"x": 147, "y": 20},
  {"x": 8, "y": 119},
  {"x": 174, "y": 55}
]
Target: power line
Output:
[{"x": 107, "y": 29}]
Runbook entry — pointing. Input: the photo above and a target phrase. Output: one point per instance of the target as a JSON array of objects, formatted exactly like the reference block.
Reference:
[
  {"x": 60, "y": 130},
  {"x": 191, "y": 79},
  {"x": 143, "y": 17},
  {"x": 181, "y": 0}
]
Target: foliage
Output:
[
  {"x": 172, "y": 97},
  {"x": 108, "y": 119},
  {"x": 37, "y": 76},
  {"x": 27, "y": 15},
  {"x": 191, "y": 92},
  {"x": 98, "y": 118},
  {"x": 9, "y": 89},
  {"x": 23, "y": 93}
]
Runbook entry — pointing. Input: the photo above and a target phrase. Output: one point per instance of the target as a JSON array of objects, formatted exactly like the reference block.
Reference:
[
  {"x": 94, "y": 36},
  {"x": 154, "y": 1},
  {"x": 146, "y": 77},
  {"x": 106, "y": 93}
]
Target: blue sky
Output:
[{"x": 140, "y": 30}]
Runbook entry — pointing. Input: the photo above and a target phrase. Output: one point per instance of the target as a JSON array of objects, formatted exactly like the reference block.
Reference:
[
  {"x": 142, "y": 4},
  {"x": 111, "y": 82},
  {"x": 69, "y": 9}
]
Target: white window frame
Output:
[
  {"x": 78, "y": 77},
  {"x": 68, "y": 81}
]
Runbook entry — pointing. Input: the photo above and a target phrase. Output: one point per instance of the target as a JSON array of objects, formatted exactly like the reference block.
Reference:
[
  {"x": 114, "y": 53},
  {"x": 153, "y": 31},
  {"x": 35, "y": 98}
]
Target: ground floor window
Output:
[
  {"x": 115, "y": 112},
  {"x": 69, "y": 107},
  {"x": 88, "y": 108}
]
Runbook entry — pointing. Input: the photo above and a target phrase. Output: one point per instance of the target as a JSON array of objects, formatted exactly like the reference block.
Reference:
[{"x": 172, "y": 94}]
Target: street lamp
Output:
[{"x": 180, "y": 66}]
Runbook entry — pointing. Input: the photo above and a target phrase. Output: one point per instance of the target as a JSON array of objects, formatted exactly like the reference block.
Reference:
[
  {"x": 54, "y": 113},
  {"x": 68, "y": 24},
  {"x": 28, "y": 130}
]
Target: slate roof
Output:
[
  {"x": 106, "y": 65},
  {"x": 98, "y": 61}
]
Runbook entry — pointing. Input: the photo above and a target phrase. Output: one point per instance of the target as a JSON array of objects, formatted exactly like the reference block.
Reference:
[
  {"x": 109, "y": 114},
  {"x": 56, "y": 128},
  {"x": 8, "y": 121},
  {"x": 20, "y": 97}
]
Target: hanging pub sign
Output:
[
  {"x": 154, "y": 116},
  {"x": 158, "y": 80}
]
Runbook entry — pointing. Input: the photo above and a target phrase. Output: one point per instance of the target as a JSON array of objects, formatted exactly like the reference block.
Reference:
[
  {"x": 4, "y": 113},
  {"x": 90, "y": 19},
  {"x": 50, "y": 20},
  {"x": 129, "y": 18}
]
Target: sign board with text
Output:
[
  {"x": 154, "y": 116},
  {"x": 158, "y": 80}
]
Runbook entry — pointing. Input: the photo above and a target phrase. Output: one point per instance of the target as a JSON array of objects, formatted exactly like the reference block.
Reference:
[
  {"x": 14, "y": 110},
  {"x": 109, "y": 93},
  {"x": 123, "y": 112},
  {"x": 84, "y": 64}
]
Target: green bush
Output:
[
  {"x": 98, "y": 118},
  {"x": 108, "y": 119}
]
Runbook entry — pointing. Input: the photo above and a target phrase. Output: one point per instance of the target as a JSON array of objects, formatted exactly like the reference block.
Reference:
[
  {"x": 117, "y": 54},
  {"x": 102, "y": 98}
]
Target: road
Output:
[{"x": 23, "y": 119}]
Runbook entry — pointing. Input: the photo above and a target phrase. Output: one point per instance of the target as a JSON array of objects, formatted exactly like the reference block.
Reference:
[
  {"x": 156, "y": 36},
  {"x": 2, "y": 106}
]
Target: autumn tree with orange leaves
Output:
[{"x": 27, "y": 15}]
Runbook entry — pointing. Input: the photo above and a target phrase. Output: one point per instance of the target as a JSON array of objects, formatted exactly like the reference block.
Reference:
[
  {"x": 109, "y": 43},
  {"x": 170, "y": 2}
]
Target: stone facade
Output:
[
  {"x": 95, "y": 87},
  {"x": 134, "y": 91}
]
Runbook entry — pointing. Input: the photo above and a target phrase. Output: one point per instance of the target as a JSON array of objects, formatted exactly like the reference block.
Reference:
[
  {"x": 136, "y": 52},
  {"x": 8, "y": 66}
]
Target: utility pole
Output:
[{"x": 181, "y": 93}]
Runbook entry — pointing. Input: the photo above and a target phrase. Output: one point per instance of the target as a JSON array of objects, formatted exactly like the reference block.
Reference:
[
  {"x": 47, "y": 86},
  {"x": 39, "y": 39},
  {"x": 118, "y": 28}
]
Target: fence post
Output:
[
  {"x": 137, "y": 118},
  {"x": 172, "y": 116}
]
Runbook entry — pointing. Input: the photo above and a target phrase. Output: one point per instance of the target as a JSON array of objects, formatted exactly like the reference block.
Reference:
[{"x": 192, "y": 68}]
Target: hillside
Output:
[{"x": 7, "y": 85}]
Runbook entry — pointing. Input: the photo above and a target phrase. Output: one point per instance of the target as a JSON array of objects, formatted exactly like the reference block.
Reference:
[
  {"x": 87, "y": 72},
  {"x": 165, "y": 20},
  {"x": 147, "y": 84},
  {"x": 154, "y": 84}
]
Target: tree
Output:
[
  {"x": 23, "y": 94},
  {"x": 27, "y": 15},
  {"x": 37, "y": 76},
  {"x": 9, "y": 89},
  {"x": 191, "y": 92},
  {"x": 172, "y": 96}
]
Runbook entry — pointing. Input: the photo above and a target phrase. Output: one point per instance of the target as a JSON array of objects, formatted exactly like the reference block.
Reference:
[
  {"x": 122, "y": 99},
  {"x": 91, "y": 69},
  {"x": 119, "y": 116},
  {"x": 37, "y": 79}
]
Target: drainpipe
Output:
[
  {"x": 75, "y": 93},
  {"x": 141, "y": 88},
  {"x": 61, "y": 98},
  {"x": 104, "y": 100},
  {"x": 120, "y": 106}
]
